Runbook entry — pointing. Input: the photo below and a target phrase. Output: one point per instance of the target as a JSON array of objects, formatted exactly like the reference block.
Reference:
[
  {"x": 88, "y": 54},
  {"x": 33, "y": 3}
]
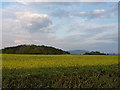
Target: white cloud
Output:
[
  {"x": 34, "y": 21},
  {"x": 94, "y": 14},
  {"x": 19, "y": 41},
  {"x": 26, "y": 41},
  {"x": 98, "y": 11}
]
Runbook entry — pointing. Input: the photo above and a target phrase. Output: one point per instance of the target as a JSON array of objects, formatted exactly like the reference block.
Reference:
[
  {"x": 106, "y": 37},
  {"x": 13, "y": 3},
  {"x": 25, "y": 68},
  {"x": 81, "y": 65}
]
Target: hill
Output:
[
  {"x": 78, "y": 51},
  {"x": 32, "y": 49},
  {"x": 95, "y": 53}
]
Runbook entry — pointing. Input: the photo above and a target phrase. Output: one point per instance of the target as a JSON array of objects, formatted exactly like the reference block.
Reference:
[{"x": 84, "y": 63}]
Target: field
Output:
[{"x": 60, "y": 71}]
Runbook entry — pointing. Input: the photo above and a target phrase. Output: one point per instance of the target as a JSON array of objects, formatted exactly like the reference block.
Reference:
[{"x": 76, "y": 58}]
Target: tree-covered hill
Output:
[
  {"x": 95, "y": 53},
  {"x": 32, "y": 49}
]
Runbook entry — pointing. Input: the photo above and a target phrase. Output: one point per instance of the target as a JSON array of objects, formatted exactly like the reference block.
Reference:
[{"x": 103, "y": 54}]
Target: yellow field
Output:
[{"x": 36, "y": 61}]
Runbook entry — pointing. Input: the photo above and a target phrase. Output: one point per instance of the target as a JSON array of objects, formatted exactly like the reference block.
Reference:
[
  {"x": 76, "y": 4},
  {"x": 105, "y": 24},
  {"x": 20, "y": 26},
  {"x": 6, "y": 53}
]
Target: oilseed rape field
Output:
[{"x": 59, "y": 71}]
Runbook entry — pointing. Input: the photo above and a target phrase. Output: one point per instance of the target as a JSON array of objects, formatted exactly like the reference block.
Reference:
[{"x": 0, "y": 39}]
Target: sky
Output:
[{"x": 91, "y": 26}]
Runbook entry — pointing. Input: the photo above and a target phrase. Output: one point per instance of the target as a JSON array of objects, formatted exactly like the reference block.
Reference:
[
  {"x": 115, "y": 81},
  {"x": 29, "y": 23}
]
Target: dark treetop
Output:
[{"x": 32, "y": 49}]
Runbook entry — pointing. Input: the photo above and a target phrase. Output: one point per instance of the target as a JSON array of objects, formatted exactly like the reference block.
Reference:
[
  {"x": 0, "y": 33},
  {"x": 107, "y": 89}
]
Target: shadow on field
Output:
[{"x": 62, "y": 77}]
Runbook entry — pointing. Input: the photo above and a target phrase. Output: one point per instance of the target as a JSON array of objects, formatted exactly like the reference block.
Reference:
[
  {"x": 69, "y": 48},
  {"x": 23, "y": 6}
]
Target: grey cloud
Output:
[
  {"x": 88, "y": 42},
  {"x": 112, "y": 36},
  {"x": 92, "y": 27},
  {"x": 57, "y": 9},
  {"x": 98, "y": 37},
  {"x": 94, "y": 14}
]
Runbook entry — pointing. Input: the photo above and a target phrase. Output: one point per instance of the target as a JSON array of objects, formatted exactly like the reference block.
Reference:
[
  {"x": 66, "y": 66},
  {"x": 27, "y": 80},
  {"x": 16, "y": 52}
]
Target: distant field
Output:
[{"x": 60, "y": 71}]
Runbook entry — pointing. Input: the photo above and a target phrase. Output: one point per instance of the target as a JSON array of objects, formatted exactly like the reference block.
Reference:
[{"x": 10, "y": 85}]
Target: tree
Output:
[{"x": 95, "y": 53}]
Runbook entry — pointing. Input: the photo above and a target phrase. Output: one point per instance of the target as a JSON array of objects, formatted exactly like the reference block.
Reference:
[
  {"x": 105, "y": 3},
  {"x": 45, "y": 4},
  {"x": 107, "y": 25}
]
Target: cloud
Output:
[
  {"x": 21, "y": 25},
  {"x": 34, "y": 21},
  {"x": 58, "y": 11},
  {"x": 27, "y": 18},
  {"x": 74, "y": 29},
  {"x": 94, "y": 14},
  {"x": 26, "y": 41},
  {"x": 91, "y": 15},
  {"x": 98, "y": 11},
  {"x": 19, "y": 41},
  {"x": 91, "y": 36}
]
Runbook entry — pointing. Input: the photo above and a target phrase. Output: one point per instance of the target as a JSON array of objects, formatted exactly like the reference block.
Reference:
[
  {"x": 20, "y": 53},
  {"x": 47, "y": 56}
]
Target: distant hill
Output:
[
  {"x": 32, "y": 49},
  {"x": 78, "y": 51},
  {"x": 95, "y": 53}
]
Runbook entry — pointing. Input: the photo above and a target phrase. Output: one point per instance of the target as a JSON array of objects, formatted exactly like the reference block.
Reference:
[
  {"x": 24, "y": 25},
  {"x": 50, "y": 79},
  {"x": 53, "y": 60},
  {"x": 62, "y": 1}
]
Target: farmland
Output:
[{"x": 60, "y": 71}]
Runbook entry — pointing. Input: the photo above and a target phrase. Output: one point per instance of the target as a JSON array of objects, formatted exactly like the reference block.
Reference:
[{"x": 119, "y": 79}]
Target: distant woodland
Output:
[
  {"x": 46, "y": 50},
  {"x": 33, "y": 49},
  {"x": 95, "y": 53}
]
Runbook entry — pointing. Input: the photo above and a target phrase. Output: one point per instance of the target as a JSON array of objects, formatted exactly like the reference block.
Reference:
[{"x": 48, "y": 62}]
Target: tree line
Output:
[
  {"x": 95, "y": 53},
  {"x": 33, "y": 49}
]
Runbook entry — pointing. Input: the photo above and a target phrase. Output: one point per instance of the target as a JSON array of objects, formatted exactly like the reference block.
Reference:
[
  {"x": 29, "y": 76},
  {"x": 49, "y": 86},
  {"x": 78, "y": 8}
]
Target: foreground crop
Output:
[{"x": 60, "y": 71}]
